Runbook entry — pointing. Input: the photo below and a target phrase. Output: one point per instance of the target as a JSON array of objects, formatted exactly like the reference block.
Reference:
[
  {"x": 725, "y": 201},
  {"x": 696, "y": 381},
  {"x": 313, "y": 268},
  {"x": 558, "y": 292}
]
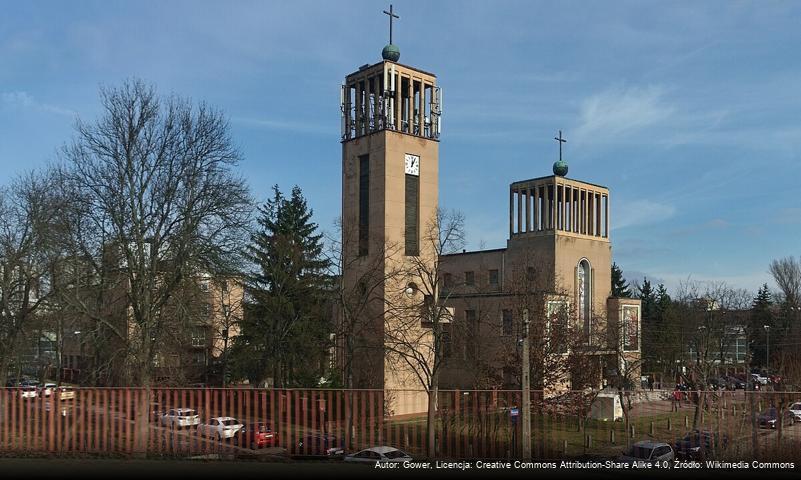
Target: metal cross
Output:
[
  {"x": 561, "y": 141},
  {"x": 391, "y": 16}
]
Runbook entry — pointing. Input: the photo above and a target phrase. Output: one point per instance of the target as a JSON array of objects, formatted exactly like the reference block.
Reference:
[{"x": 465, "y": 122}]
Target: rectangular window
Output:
[
  {"x": 446, "y": 344},
  {"x": 469, "y": 278},
  {"x": 198, "y": 337},
  {"x": 631, "y": 328},
  {"x": 508, "y": 327},
  {"x": 364, "y": 204},
  {"x": 199, "y": 357},
  {"x": 493, "y": 278},
  {"x": 412, "y": 214},
  {"x": 447, "y": 280}
]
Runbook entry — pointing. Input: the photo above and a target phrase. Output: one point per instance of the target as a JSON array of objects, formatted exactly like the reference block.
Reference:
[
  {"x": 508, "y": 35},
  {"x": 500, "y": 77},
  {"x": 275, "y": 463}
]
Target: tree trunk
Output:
[
  {"x": 699, "y": 407},
  {"x": 433, "y": 391}
]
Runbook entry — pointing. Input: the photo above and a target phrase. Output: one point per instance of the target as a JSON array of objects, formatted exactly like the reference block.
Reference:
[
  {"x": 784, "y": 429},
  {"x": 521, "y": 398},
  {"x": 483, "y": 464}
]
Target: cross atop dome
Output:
[{"x": 391, "y": 52}]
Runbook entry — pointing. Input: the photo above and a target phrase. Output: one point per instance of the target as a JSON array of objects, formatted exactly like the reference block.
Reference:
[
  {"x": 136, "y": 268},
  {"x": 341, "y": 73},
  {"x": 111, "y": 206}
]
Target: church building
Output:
[{"x": 555, "y": 269}]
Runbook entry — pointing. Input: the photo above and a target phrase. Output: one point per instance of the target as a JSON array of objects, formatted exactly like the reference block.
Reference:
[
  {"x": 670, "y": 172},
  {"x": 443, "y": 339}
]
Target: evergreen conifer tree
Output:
[
  {"x": 285, "y": 334},
  {"x": 620, "y": 287}
]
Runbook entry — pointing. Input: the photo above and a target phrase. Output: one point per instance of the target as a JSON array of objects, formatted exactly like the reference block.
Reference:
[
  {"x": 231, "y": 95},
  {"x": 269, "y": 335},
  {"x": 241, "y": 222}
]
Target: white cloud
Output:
[
  {"x": 618, "y": 111},
  {"x": 19, "y": 99},
  {"x": 641, "y": 212}
]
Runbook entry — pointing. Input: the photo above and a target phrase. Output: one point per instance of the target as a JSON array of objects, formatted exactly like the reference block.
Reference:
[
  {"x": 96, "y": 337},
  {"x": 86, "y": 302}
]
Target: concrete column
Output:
[
  {"x": 396, "y": 109},
  {"x": 608, "y": 211},
  {"x": 511, "y": 211},
  {"x": 519, "y": 211},
  {"x": 590, "y": 207},
  {"x": 420, "y": 110},
  {"x": 410, "y": 115},
  {"x": 598, "y": 215},
  {"x": 536, "y": 203},
  {"x": 529, "y": 226},
  {"x": 553, "y": 205},
  {"x": 546, "y": 208}
]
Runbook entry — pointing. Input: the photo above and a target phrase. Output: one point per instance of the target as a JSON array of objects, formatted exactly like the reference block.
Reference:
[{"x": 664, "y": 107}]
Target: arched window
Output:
[{"x": 584, "y": 299}]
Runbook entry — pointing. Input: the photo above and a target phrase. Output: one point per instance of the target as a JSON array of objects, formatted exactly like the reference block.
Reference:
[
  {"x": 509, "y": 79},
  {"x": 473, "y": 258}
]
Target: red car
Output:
[{"x": 256, "y": 435}]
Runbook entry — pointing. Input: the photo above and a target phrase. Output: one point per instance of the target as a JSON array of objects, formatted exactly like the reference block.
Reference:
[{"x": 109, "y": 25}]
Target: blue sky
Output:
[{"x": 687, "y": 111}]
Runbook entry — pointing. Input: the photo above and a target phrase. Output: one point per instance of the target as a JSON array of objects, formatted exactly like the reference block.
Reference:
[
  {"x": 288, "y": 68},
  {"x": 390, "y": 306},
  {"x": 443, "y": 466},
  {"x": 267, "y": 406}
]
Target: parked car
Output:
[
  {"x": 219, "y": 427},
  {"x": 256, "y": 435},
  {"x": 796, "y": 410},
  {"x": 28, "y": 392},
  {"x": 768, "y": 418},
  {"x": 320, "y": 444},
  {"x": 696, "y": 445},
  {"x": 642, "y": 452},
  {"x": 735, "y": 383},
  {"x": 379, "y": 454},
  {"x": 47, "y": 389},
  {"x": 180, "y": 417},
  {"x": 719, "y": 383},
  {"x": 758, "y": 378}
]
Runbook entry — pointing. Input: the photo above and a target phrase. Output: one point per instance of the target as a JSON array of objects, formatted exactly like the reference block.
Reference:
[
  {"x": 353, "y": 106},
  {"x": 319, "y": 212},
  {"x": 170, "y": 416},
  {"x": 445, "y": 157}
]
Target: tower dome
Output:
[
  {"x": 391, "y": 52},
  {"x": 560, "y": 168}
]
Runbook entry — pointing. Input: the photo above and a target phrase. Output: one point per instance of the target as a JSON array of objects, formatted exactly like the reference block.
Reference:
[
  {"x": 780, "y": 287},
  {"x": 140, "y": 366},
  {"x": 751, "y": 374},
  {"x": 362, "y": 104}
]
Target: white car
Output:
[
  {"x": 47, "y": 389},
  {"x": 379, "y": 454},
  {"x": 645, "y": 452},
  {"x": 757, "y": 378},
  {"x": 180, "y": 417},
  {"x": 220, "y": 427},
  {"x": 796, "y": 410},
  {"x": 28, "y": 392}
]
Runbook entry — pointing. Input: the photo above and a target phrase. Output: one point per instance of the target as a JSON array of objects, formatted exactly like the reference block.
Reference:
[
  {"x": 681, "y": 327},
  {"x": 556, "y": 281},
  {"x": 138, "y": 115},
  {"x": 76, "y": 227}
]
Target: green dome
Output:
[
  {"x": 560, "y": 168},
  {"x": 391, "y": 52}
]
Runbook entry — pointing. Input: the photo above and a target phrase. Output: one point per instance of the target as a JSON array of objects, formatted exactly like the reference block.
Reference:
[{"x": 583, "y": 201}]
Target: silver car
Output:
[{"x": 180, "y": 417}]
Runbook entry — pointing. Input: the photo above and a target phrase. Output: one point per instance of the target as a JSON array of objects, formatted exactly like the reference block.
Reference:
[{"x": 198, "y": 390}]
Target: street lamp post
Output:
[
  {"x": 767, "y": 352},
  {"x": 526, "y": 384}
]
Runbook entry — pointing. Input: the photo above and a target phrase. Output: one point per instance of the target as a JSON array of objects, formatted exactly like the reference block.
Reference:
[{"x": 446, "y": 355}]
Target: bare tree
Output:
[
  {"x": 28, "y": 210},
  {"x": 417, "y": 313},
  {"x": 358, "y": 329},
  {"x": 153, "y": 202},
  {"x": 564, "y": 348}
]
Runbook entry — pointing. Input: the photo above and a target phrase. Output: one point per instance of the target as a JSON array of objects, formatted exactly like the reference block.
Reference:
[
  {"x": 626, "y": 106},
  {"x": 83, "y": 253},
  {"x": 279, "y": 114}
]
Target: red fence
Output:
[{"x": 468, "y": 424}]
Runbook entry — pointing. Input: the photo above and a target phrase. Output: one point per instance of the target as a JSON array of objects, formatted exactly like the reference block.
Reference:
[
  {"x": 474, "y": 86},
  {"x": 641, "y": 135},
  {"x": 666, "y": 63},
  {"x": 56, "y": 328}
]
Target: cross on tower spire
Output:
[
  {"x": 392, "y": 15},
  {"x": 561, "y": 141}
]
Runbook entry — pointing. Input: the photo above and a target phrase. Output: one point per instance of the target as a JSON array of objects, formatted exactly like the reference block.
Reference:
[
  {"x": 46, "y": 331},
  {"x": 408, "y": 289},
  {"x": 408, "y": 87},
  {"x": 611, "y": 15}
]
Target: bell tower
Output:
[{"x": 391, "y": 122}]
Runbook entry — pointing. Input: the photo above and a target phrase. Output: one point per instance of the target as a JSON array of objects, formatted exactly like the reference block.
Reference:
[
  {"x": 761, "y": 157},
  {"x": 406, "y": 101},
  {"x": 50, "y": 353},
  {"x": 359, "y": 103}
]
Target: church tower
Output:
[{"x": 390, "y": 168}]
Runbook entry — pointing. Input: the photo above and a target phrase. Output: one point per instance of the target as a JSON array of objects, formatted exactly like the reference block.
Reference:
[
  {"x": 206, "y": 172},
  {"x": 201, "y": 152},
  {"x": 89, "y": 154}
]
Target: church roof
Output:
[{"x": 554, "y": 176}]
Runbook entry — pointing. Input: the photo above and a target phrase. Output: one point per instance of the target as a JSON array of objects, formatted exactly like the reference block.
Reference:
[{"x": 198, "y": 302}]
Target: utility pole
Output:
[
  {"x": 526, "y": 381},
  {"x": 767, "y": 352}
]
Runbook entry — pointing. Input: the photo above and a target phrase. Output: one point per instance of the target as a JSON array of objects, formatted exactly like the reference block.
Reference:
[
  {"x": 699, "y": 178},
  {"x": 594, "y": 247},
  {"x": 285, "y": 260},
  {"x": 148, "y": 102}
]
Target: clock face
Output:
[{"x": 412, "y": 164}]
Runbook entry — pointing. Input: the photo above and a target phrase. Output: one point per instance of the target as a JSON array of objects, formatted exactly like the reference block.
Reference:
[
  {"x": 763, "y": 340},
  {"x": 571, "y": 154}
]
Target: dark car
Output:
[
  {"x": 735, "y": 383},
  {"x": 767, "y": 419},
  {"x": 256, "y": 435},
  {"x": 320, "y": 444},
  {"x": 698, "y": 444}
]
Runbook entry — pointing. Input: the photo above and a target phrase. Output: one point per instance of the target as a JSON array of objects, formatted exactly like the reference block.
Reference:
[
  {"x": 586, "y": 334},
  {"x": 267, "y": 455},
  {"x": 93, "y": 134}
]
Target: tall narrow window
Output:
[
  {"x": 412, "y": 214},
  {"x": 507, "y": 327},
  {"x": 584, "y": 295},
  {"x": 364, "y": 204}
]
